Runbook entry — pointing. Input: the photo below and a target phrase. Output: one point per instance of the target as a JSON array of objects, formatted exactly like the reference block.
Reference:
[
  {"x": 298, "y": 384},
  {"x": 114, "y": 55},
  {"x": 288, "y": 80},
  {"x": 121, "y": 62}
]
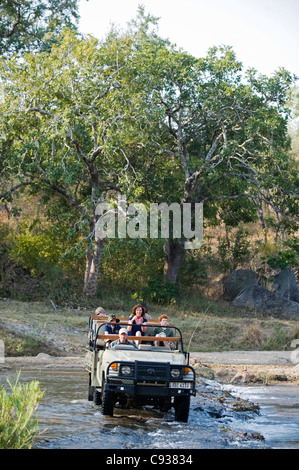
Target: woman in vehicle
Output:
[{"x": 137, "y": 322}]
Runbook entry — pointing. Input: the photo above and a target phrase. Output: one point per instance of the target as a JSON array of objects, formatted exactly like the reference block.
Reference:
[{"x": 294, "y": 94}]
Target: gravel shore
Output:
[{"x": 226, "y": 366}]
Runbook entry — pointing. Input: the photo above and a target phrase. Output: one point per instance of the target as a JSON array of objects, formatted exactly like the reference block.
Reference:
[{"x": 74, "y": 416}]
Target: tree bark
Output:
[
  {"x": 174, "y": 255},
  {"x": 93, "y": 263}
]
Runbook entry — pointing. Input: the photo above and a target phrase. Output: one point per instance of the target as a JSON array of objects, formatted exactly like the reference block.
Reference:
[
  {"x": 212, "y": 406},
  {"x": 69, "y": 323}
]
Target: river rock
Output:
[
  {"x": 285, "y": 284},
  {"x": 294, "y": 372},
  {"x": 203, "y": 370},
  {"x": 238, "y": 280},
  {"x": 42, "y": 356},
  {"x": 243, "y": 377},
  {"x": 262, "y": 300}
]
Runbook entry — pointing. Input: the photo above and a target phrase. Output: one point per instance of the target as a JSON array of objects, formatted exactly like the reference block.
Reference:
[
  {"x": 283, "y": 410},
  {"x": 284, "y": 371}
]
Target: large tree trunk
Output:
[
  {"x": 174, "y": 255},
  {"x": 93, "y": 263}
]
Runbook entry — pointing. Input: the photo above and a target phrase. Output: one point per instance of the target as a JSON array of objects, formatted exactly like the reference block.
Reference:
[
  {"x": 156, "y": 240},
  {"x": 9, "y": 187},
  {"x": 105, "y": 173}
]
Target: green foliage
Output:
[
  {"x": 24, "y": 24},
  {"x": 83, "y": 120},
  {"x": 6, "y": 242},
  {"x": 35, "y": 252},
  {"x": 5, "y": 249},
  {"x": 234, "y": 250},
  {"x": 18, "y": 426},
  {"x": 281, "y": 259},
  {"x": 194, "y": 270},
  {"x": 281, "y": 254},
  {"x": 129, "y": 263},
  {"x": 161, "y": 291}
]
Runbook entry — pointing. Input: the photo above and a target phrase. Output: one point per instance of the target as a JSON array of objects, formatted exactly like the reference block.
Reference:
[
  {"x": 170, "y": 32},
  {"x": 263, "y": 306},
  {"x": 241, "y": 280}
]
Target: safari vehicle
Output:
[{"x": 150, "y": 375}]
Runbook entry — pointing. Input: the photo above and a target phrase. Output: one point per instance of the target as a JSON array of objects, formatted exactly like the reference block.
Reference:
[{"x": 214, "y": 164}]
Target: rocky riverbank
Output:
[
  {"x": 236, "y": 367},
  {"x": 66, "y": 346},
  {"x": 247, "y": 367}
]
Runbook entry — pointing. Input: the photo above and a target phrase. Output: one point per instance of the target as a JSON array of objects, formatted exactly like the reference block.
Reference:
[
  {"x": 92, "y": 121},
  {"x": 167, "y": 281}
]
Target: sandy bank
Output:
[{"x": 224, "y": 366}]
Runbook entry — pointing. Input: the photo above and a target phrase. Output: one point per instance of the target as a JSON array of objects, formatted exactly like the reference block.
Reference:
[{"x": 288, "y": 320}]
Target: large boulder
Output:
[
  {"x": 238, "y": 280},
  {"x": 260, "y": 299},
  {"x": 285, "y": 284}
]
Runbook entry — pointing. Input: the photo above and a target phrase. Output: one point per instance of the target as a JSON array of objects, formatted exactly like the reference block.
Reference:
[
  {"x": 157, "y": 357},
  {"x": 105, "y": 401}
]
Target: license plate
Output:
[{"x": 180, "y": 385}]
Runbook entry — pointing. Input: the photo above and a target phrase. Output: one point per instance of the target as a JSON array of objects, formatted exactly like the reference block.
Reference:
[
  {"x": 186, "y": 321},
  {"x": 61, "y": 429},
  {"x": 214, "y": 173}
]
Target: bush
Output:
[
  {"x": 234, "y": 251},
  {"x": 160, "y": 291},
  {"x": 17, "y": 425}
]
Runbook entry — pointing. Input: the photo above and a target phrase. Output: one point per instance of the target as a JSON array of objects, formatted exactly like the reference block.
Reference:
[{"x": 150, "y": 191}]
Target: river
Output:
[{"x": 67, "y": 420}]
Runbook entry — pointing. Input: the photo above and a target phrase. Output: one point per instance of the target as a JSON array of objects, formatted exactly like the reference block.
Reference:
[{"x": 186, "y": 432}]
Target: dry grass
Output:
[{"x": 207, "y": 325}]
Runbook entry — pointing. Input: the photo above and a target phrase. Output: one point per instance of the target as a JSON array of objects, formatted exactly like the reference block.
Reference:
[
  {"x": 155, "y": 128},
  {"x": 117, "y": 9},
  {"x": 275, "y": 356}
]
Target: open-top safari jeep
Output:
[{"x": 150, "y": 375}]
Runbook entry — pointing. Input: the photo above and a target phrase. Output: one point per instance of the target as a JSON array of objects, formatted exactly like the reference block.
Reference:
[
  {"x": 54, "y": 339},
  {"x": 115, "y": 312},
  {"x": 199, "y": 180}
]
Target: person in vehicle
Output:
[
  {"x": 144, "y": 305},
  {"x": 112, "y": 328},
  {"x": 137, "y": 322},
  {"x": 101, "y": 311},
  {"x": 163, "y": 330},
  {"x": 123, "y": 339}
]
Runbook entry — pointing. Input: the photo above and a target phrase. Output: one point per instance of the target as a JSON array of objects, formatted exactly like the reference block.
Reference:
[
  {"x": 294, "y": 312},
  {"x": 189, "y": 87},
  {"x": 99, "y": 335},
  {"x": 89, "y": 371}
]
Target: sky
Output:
[{"x": 264, "y": 34}]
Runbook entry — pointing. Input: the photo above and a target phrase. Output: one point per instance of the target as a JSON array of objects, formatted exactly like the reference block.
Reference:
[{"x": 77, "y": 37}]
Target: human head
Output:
[
  {"x": 137, "y": 308},
  {"x": 163, "y": 319},
  {"x": 123, "y": 333},
  {"x": 100, "y": 311}
]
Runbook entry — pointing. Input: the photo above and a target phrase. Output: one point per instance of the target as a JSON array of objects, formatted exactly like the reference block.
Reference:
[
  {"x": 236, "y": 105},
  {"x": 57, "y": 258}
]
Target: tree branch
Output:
[{"x": 15, "y": 188}]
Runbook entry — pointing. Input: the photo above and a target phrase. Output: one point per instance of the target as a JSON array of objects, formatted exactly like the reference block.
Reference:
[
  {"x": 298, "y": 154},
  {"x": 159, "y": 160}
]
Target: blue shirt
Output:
[
  {"x": 136, "y": 327},
  {"x": 112, "y": 329}
]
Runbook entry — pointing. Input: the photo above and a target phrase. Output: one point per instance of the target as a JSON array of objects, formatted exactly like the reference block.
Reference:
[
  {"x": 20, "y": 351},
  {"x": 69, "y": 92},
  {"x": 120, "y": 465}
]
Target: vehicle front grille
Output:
[
  {"x": 121, "y": 381},
  {"x": 152, "y": 369}
]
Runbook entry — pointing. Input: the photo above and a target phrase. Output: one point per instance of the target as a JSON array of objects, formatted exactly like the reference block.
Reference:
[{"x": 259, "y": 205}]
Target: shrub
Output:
[
  {"x": 160, "y": 291},
  {"x": 18, "y": 427}
]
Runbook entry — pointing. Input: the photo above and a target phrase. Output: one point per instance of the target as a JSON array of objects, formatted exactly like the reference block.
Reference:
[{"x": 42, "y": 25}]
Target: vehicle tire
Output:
[
  {"x": 181, "y": 407},
  {"x": 108, "y": 402},
  {"x": 97, "y": 397},
  {"x": 90, "y": 390}
]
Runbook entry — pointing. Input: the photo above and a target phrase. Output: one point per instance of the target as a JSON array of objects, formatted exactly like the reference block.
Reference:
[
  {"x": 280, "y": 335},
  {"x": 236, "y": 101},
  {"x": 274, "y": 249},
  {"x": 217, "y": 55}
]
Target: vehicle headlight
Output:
[
  {"x": 126, "y": 370},
  {"x": 175, "y": 373}
]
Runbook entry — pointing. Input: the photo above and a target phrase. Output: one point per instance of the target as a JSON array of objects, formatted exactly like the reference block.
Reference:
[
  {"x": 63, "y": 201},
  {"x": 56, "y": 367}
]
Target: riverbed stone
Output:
[
  {"x": 243, "y": 377},
  {"x": 222, "y": 373}
]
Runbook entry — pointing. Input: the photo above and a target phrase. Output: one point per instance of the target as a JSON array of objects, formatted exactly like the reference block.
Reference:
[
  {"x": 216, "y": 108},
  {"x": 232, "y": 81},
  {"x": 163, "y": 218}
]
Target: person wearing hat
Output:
[
  {"x": 112, "y": 328},
  {"x": 123, "y": 339}
]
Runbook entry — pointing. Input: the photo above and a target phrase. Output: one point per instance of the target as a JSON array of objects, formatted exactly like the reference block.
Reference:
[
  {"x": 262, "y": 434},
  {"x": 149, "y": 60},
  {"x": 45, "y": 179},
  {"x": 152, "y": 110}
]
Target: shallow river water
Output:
[{"x": 67, "y": 420}]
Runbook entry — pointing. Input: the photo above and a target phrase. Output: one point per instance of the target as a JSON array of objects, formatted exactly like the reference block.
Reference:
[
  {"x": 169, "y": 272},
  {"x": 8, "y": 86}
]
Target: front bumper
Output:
[{"x": 150, "y": 379}]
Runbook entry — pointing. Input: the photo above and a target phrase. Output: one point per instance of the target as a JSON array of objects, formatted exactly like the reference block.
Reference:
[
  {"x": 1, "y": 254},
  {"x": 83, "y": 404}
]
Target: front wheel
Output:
[
  {"x": 181, "y": 407},
  {"x": 97, "y": 397},
  {"x": 108, "y": 401}
]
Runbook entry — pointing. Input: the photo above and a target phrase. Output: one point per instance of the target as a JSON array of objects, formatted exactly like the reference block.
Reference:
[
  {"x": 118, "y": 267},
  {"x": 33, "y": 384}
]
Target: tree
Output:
[
  {"x": 227, "y": 132},
  {"x": 62, "y": 112},
  {"x": 25, "y": 23},
  {"x": 137, "y": 115}
]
